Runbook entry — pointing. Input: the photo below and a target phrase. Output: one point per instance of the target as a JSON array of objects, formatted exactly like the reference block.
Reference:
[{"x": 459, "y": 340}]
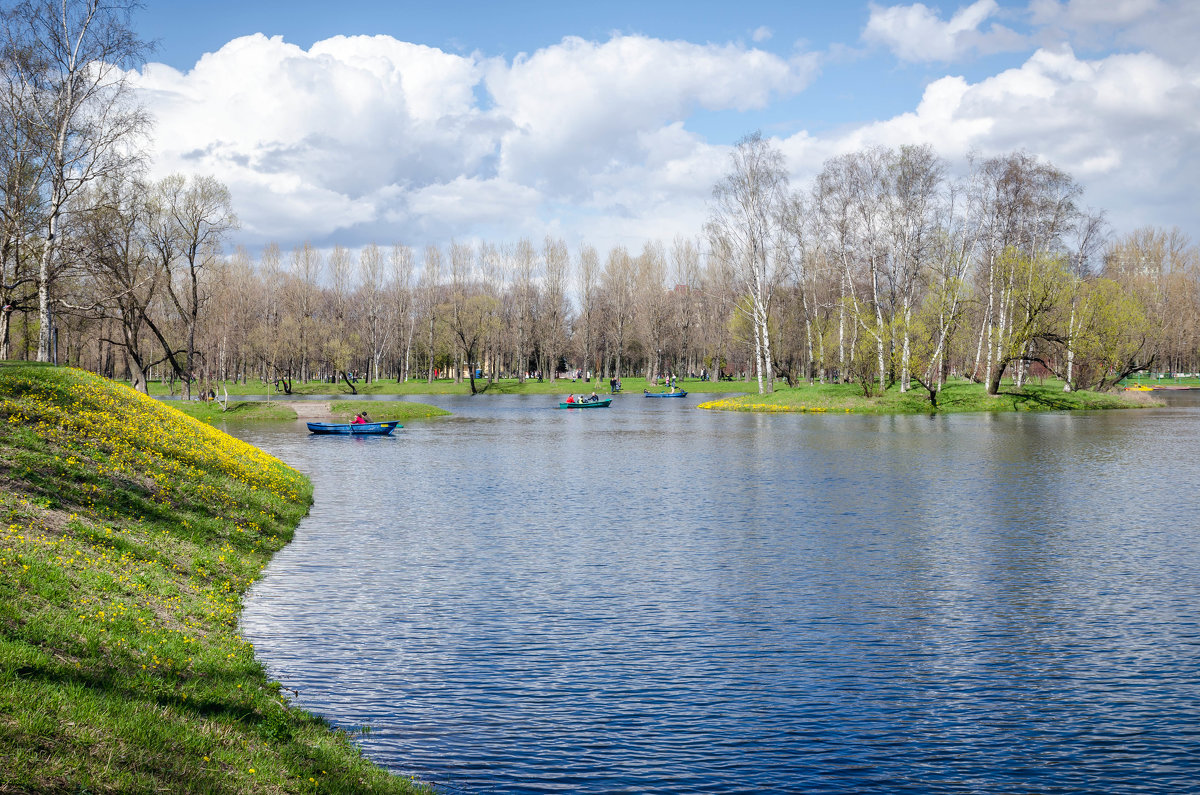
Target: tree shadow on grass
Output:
[
  {"x": 1040, "y": 401},
  {"x": 147, "y": 761}
]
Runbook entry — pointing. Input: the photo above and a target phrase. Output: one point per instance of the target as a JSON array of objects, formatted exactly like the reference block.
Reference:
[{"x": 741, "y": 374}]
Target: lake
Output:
[{"x": 656, "y": 599}]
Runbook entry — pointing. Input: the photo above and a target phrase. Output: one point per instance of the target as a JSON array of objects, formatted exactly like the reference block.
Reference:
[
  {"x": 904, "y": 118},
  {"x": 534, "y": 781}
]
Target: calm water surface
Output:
[{"x": 651, "y": 598}]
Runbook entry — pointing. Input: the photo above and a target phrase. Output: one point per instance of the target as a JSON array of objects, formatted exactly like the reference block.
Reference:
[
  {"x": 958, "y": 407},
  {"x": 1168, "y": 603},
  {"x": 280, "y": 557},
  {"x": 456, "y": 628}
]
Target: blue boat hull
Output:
[
  {"x": 664, "y": 394},
  {"x": 349, "y": 429}
]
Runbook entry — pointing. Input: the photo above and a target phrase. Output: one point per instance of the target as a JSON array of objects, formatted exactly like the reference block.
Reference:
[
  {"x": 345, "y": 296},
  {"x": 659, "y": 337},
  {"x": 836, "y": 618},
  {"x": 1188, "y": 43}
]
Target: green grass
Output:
[
  {"x": 211, "y": 413},
  {"x": 128, "y": 535},
  {"x": 957, "y": 396},
  {"x": 506, "y": 386},
  {"x": 379, "y": 410},
  {"x": 1147, "y": 379}
]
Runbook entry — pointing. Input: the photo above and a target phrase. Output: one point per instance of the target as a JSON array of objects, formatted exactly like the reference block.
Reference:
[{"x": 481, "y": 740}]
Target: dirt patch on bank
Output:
[{"x": 311, "y": 410}]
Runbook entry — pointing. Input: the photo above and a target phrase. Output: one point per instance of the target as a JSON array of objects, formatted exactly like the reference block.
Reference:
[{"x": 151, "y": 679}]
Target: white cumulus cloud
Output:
[
  {"x": 368, "y": 137},
  {"x": 1124, "y": 126},
  {"x": 916, "y": 32}
]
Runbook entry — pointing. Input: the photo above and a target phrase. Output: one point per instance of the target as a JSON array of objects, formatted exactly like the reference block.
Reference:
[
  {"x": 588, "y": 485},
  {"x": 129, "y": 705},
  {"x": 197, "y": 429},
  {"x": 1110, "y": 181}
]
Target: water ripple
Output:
[{"x": 658, "y": 600}]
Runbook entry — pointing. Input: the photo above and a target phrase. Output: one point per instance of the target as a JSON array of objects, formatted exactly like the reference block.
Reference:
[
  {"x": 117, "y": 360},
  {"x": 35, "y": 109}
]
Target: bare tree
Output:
[
  {"x": 471, "y": 312},
  {"x": 188, "y": 222},
  {"x": 340, "y": 341},
  {"x": 400, "y": 287},
  {"x": 524, "y": 303},
  {"x": 271, "y": 340},
  {"x": 376, "y": 311},
  {"x": 68, "y": 56},
  {"x": 124, "y": 272},
  {"x": 685, "y": 308},
  {"x": 589, "y": 276},
  {"x": 307, "y": 268},
  {"x": 554, "y": 309},
  {"x": 747, "y": 204},
  {"x": 430, "y": 283},
  {"x": 618, "y": 286},
  {"x": 651, "y": 305},
  {"x": 914, "y": 184},
  {"x": 21, "y": 204},
  {"x": 1023, "y": 208}
]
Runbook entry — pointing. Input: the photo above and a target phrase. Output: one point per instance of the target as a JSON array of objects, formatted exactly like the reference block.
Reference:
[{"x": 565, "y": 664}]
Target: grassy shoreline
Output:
[
  {"x": 341, "y": 411},
  {"x": 956, "y": 397},
  {"x": 130, "y": 534},
  {"x": 443, "y": 386}
]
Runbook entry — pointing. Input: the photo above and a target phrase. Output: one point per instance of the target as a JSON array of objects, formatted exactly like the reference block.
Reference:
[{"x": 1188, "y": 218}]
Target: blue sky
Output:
[{"x": 609, "y": 122}]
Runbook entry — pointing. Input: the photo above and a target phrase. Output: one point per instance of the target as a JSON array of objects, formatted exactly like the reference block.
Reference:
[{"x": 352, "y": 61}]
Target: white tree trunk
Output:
[
  {"x": 758, "y": 353},
  {"x": 1070, "y": 350}
]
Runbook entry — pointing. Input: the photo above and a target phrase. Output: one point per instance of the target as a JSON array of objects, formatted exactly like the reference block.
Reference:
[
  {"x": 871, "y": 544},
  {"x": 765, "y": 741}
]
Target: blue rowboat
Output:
[
  {"x": 681, "y": 393},
  {"x": 350, "y": 429},
  {"x": 587, "y": 404}
]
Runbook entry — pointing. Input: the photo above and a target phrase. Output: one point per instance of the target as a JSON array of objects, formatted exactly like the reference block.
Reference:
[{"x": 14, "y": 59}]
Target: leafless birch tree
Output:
[
  {"x": 745, "y": 213},
  {"x": 68, "y": 57}
]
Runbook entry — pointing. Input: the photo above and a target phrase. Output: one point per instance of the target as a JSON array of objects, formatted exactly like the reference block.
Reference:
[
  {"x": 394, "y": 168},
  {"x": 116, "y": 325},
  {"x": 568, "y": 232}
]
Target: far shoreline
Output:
[{"x": 391, "y": 400}]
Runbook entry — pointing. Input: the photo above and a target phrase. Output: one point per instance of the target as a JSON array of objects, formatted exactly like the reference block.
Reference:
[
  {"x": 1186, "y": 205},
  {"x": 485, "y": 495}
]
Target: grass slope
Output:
[
  {"x": 128, "y": 534},
  {"x": 959, "y": 396}
]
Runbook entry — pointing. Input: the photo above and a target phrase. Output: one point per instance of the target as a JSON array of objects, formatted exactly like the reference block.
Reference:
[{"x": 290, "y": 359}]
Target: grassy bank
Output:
[
  {"x": 445, "y": 386},
  {"x": 238, "y": 410},
  {"x": 129, "y": 533},
  {"x": 958, "y": 396},
  {"x": 211, "y": 412},
  {"x": 379, "y": 411}
]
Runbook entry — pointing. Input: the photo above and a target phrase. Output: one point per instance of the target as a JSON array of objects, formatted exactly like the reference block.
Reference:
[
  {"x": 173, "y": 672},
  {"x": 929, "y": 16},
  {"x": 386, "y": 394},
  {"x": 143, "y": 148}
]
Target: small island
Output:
[{"x": 958, "y": 397}]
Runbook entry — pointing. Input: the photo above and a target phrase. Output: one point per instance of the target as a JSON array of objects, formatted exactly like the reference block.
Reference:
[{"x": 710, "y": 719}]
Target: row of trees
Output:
[
  {"x": 886, "y": 269},
  {"x": 883, "y": 271},
  {"x": 465, "y": 311},
  {"x": 952, "y": 291}
]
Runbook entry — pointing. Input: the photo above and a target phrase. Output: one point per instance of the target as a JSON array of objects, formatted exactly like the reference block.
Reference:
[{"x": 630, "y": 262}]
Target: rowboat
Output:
[
  {"x": 680, "y": 393},
  {"x": 587, "y": 404},
  {"x": 348, "y": 428}
]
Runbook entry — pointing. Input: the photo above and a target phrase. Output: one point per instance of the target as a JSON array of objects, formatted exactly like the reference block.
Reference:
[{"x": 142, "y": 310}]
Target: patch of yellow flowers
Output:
[
  {"x": 144, "y": 440},
  {"x": 743, "y": 404},
  {"x": 100, "y": 431}
]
